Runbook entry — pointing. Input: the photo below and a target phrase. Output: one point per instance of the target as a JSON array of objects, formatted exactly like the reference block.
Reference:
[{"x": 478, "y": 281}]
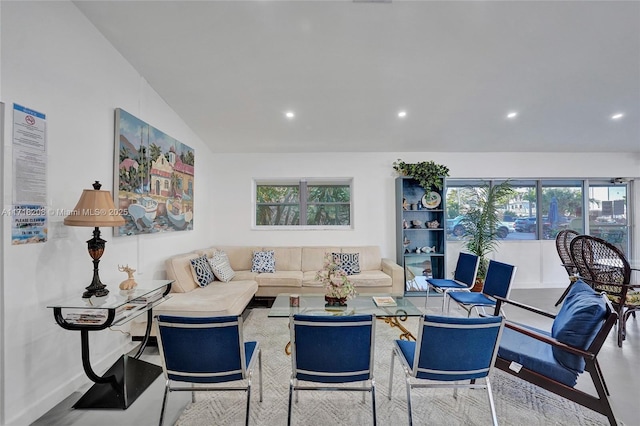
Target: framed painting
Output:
[{"x": 154, "y": 178}]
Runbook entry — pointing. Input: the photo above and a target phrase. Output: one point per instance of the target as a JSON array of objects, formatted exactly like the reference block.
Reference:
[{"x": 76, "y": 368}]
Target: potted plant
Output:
[
  {"x": 482, "y": 223},
  {"x": 427, "y": 173},
  {"x": 336, "y": 282}
]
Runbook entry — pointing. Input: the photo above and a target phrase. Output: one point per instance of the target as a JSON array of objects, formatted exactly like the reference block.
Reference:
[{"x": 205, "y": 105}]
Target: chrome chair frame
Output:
[{"x": 206, "y": 335}]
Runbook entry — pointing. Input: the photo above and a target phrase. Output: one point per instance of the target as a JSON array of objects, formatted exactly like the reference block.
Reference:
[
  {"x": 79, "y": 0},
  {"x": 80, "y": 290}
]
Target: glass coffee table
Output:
[{"x": 314, "y": 304}]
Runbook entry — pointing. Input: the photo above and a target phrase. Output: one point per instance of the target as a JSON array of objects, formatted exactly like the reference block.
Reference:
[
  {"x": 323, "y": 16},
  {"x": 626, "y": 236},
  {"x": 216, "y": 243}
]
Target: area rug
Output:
[{"x": 517, "y": 402}]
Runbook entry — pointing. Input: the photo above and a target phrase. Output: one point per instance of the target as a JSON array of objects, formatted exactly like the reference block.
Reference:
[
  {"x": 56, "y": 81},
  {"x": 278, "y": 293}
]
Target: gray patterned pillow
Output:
[
  {"x": 263, "y": 261},
  {"x": 201, "y": 271},
  {"x": 348, "y": 262},
  {"x": 219, "y": 262}
]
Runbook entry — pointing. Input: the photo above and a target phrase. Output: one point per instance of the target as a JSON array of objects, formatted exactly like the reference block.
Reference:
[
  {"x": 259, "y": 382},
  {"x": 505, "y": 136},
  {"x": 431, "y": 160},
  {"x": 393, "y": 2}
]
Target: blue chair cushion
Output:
[
  {"x": 577, "y": 323},
  {"x": 534, "y": 355},
  {"x": 445, "y": 283},
  {"x": 408, "y": 350},
  {"x": 471, "y": 298}
]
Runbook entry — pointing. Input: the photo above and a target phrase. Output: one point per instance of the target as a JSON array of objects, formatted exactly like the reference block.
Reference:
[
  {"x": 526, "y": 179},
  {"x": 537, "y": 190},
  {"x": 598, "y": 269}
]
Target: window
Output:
[
  {"x": 561, "y": 204},
  {"x": 312, "y": 203},
  {"x": 608, "y": 218}
]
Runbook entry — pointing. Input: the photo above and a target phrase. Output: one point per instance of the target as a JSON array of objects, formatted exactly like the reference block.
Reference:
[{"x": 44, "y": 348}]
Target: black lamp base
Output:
[{"x": 96, "y": 248}]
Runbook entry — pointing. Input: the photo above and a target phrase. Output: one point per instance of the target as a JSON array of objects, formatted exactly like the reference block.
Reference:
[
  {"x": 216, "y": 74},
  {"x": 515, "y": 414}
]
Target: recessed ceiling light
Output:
[
  {"x": 402, "y": 114},
  {"x": 512, "y": 114},
  {"x": 617, "y": 116},
  {"x": 289, "y": 114}
]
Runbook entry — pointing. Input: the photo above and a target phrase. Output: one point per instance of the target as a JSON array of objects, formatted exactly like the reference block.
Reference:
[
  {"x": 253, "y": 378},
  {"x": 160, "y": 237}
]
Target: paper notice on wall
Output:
[
  {"x": 29, "y": 156},
  {"x": 28, "y": 224}
]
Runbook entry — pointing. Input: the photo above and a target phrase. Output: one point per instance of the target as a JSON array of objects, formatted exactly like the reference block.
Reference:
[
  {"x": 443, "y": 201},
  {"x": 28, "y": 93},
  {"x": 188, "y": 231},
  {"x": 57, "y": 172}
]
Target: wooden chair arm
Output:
[
  {"x": 549, "y": 340},
  {"x": 501, "y": 300}
]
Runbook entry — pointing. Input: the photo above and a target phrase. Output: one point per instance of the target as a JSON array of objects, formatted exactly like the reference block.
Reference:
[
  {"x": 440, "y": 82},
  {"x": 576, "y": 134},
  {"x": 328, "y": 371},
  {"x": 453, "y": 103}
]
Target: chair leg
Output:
[
  {"x": 246, "y": 421},
  {"x": 290, "y": 402},
  {"x": 393, "y": 355},
  {"x": 409, "y": 401},
  {"x": 193, "y": 394},
  {"x": 494, "y": 415},
  {"x": 373, "y": 401},
  {"x": 260, "y": 371},
  {"x": 164, "y": 402}
]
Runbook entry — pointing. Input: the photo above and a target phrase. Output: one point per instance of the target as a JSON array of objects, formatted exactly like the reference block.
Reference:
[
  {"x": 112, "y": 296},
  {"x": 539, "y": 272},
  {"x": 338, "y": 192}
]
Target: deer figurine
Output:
[{"x": 130, "y": 282}]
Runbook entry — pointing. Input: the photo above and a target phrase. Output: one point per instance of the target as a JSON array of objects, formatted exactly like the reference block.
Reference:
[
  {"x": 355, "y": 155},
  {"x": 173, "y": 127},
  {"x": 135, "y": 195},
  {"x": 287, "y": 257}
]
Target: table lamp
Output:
[{"x": 94, "y": 209}]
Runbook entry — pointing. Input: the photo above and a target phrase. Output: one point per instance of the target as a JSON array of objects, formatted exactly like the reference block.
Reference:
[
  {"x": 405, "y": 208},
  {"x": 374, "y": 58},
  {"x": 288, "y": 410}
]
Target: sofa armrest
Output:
[{"x": 396, "y": 273}]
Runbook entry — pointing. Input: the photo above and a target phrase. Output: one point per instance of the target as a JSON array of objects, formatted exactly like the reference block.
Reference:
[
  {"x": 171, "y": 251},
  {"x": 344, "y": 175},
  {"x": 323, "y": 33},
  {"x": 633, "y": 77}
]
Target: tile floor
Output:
[{"x": 619, "y": 365}]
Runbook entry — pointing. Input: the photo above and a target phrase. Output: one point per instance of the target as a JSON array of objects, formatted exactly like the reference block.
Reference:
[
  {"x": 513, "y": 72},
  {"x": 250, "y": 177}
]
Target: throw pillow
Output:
[
  {"x": 201, "y": 271},
  {"x": 263, "y": 261},
  {"x": 348, "y": 262},
  {"x": 219, "y": 262}
]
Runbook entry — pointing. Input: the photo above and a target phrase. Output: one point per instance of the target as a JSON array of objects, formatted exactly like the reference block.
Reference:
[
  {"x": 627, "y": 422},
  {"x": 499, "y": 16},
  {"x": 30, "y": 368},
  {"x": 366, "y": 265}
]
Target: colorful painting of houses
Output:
[{"x": 154, "y": 178}]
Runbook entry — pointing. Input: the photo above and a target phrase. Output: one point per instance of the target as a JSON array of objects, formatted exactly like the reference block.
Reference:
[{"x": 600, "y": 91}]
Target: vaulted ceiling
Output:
[{"x": 345, "y": 69}]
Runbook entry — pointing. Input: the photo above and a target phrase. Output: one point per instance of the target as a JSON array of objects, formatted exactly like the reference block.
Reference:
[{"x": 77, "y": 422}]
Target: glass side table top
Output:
[
  {"x": 314, "y": 304},
  {"x": 115, "y": 299}
]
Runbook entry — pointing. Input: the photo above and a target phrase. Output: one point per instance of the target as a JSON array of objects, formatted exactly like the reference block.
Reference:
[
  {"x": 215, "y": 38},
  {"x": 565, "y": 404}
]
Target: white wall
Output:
[
  {"x": 54, "y": 61},
  {"x": 374, "y": 214}
]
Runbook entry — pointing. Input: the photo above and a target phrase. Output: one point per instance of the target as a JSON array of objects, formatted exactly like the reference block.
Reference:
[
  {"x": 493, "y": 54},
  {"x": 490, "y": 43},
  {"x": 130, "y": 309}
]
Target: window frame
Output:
[
  {"x": 302, "y": 184},
  {"x": 540, "y": 184}
]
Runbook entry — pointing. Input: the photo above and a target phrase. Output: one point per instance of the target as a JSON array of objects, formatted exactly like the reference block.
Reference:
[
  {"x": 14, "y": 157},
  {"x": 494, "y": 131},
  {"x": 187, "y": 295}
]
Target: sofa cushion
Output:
[
  {"x": 370, "y": 256},
  {"x": 245, "y": 275},
  {"x": 240, "y": 257},
  {"x": 313, "y": 257},
  {"x": 201, "y": 270},
  {"x": 371, "y": 279},
  {"x": 287, "y": 258},
  {"x": 348, "y": 262},
  {"x": 179, "y": 270},
  {"x": 309, "y": 280},
  {"x": 215, "y": 300},
  {"x": 280, "y": 279},
  {"x": 220, "y": 266},
  {"x": 577, "y": 323},
  {"x": 263, "y": 261},
  {"x": 534, "y": 355}
]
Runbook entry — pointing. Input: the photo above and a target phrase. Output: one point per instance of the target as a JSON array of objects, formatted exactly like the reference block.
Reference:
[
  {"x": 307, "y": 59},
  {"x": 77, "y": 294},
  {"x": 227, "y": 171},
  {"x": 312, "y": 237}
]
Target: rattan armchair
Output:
[{"x": 606, "y": 269}]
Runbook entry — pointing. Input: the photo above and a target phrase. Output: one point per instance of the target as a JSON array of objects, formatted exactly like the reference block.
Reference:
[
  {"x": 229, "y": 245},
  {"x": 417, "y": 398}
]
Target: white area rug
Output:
[{"x": 517, "y": 402}]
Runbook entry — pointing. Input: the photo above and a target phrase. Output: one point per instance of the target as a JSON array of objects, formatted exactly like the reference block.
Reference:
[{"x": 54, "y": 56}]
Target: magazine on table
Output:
[{"x": 383, "y": 301}]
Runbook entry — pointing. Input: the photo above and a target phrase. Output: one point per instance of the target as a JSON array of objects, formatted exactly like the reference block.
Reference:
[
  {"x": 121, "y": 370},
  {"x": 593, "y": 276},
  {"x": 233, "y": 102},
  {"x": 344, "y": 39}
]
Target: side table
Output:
[{"x": 125, "y": 380}]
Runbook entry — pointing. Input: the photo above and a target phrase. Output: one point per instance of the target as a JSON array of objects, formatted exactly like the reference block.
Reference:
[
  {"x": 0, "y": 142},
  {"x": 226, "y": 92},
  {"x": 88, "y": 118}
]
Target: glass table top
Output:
[
  {"x": 115, "y": 299},
  {"x": 314, "y": 304}
]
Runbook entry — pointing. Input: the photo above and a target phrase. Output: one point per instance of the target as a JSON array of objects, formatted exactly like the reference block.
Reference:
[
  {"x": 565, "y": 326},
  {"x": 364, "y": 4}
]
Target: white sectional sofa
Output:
[{"x": 295, "y": 272}]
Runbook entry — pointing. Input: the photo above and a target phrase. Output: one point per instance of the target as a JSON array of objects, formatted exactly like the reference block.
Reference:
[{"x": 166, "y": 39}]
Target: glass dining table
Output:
[{"x": 399, "y": 309}]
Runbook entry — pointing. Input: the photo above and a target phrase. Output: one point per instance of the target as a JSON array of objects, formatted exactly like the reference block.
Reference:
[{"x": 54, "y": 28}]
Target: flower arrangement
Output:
[{"x": 335, "y": 280}]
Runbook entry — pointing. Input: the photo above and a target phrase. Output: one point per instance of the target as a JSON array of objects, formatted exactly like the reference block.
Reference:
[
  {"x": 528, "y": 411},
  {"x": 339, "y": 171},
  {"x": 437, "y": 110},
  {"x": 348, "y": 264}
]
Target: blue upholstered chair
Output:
[
  {"x": 449, "y": 351},
  {"x": 496, "y": 283},
  {"x": 205, "y": 351},
  {"x": 464, "y": 277},
  {"x": 326, "y": 350},
  {"x": 554, "y": 359}
]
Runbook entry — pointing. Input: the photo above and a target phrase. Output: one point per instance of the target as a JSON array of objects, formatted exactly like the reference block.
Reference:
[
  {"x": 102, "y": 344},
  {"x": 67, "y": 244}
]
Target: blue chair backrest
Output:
[
  {"x": 202, "y": 350},
  {"x": 450, "y": 348},
  {"x": 332, "y": 349},
  {"x": 466, "y": 268},
  {"x": 499, "y": 278}
]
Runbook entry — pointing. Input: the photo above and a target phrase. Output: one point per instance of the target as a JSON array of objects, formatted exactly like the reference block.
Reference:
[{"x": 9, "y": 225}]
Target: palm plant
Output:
[{"x": 481, "y": 223}]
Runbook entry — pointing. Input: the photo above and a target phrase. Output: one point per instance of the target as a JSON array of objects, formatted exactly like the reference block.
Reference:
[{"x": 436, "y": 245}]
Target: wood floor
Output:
[{"x": 619, "y": 365}]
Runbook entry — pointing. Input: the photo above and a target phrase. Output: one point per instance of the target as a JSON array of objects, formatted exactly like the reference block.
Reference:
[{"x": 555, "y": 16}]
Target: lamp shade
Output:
[{"x": 94, "y": 209}]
